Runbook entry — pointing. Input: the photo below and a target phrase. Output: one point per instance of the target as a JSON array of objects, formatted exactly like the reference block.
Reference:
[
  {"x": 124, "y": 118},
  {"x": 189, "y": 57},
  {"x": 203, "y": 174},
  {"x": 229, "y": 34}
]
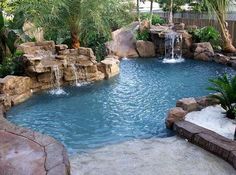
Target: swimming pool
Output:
[{"x": 131, "y": 105}]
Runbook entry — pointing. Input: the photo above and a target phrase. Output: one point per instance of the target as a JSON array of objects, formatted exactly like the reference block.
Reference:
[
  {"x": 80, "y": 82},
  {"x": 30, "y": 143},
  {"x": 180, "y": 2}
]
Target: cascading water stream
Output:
[
  {"x": 56, "y": 76},
  {"x": 173, "y": 48},
  {"x": 75, "y": 74}
]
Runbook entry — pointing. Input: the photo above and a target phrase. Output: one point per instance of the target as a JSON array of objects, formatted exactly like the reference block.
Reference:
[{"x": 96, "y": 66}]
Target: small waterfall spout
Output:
[
  {"x": 173, "y": 48},
  {"x": 56, "y": 76},
  {"x": 75, "y": 74}
]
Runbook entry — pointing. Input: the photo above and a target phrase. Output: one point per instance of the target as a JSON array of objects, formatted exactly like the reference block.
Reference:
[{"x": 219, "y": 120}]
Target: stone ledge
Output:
[
  {"x": 30, "y": 151},
  {"x": 186, "y": 105},
  {"x": 204, "y": 138},
  {"x": 208, "y": 140}
]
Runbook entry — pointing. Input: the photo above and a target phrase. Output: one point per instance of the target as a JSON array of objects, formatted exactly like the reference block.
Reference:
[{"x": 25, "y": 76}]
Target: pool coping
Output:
[
  {"x": 197, "y": 135},
  {"x": 56, "y": 161}
]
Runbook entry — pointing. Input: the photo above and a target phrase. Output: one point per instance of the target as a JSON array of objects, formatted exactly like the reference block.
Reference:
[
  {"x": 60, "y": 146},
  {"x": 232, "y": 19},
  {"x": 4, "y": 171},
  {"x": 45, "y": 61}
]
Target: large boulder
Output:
[
  {"x": 16, "y": 89},
  {"x": 174, "y": 115},
  {"x": 110, "y": 67},
  {"x": 186, "y": 43},
  {"x": 43, "y": 48},
  {"x": 144, "y": 25},
  {"x": 222, "y": 59},
  {"x": 188, "y": 104},
  {"x": 145, "y": 48},
  {"x": 14, "y": 85},
  {"x": 123, "y": 42},
  {"x": 203, "y": 51},
  {"x": 179, "y": 26}
]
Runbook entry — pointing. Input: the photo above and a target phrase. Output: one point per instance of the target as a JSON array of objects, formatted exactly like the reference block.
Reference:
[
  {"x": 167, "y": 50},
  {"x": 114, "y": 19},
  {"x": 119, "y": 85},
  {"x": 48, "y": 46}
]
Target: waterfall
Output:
[
  {"x": 173, "y": 48},
  {"x": 56, "y": 76},
  {"x": 75, "y": 74}
]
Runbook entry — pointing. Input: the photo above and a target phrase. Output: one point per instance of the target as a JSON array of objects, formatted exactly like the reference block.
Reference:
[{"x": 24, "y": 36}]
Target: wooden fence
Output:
[{"x": 203, "y": 20}]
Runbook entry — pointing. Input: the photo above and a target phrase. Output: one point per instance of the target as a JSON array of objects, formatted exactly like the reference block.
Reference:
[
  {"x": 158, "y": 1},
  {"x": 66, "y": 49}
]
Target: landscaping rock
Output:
[
  {"x": 174, "y": 115},
  {"x": 17, "y": 99},
  {"x": 222, "y": 59},
  {"x": 145, "y": 48},
  {"x": 123, "y": 42},
  {"x": 191, "y": 27},
  {"x": 205, "y": 102},
  {"x": 41, "y": 63},
  {"x": 186, "y": 43},
  {"x": 60, "y": 47},
  {"x": 14, "y": 85},
  {"x": 110, "y": 67},
  {"x": 203, "y": 51},
  {"x": 232, "y": 63},
  {"x": 144, "y": 25},
  {"x": 187, "y": 104},
  {"x": 179, "y": 26}
]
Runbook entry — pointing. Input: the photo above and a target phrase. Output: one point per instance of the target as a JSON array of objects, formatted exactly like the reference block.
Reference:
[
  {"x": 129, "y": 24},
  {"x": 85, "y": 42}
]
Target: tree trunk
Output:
[
  {"x": 151, "y": 12},
  {"x": 171, "y": 13},
  {"x": 74, "y": 40},
  {"x": 228, "y": 44},
  {"x": 138, "y": 12}
]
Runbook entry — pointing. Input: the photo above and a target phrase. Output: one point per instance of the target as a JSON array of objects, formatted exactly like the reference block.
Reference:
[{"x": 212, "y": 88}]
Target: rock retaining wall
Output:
[
  {"x": 206, "y": 139},
  {"x": 41, "y": 60},
  {"x": 25, "y": 152}
]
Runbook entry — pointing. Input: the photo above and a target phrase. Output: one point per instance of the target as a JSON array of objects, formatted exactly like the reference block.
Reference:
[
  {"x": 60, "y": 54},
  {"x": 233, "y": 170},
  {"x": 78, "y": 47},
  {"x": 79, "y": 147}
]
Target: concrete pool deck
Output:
[
  {"x": 150, "y": 157},
  {"x": 25, "y": 152}
]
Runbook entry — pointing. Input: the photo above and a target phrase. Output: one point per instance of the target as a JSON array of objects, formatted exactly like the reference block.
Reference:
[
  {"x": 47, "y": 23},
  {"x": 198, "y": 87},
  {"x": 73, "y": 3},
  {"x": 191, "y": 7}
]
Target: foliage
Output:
[
  {"x": 165, "y": 5},
  {"x": 12, "y": 65},
  {"x": 207, "y": 34},
  {"x": 219, "y": 9},
  {"x": 11, "y": 35},
  {"x": 143, "y": 35},
  {"x": 156, "y": 19},
  {"x": 82, "y": 21},
  {"x": 7, "y": 39},
  {"x": 198, "y": 6},
  {"x": 226, "y": 88}
]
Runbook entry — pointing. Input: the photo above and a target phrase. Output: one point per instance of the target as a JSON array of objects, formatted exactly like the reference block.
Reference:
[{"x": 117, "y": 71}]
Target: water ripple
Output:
[{"x": 131, "y": 105}]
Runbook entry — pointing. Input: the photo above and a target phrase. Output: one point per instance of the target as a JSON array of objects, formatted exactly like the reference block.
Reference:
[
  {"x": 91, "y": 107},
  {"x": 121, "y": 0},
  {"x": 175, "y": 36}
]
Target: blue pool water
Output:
[{"x": 131, "y": 105}]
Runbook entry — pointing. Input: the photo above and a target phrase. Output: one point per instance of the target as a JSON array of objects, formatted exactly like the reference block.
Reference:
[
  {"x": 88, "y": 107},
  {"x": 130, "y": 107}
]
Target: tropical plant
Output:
[
  {"x": 226, "y": 93},
  {"x": 143, "y": 35},
  {"x": 12, "y": 65},
  {"x": 207, "y": 34},
  {"x": 8, "y": 39},
  {"x": 167, "y": 5},
  {"x": 80, "y": 20},
  {"x": 156, "y": 19},
  {"x": 219, "y": 8}
]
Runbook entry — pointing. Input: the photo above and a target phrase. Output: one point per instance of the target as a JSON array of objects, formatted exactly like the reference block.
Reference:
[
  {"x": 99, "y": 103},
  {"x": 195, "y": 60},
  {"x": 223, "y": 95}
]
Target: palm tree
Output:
[
  {"x": 151, "y": 11},
  {"x": 138, "y": 11},
  {"x": 63, "y": 16},
  {"x": 219, "y": 8},
  {"x": 226, "y": 89}
]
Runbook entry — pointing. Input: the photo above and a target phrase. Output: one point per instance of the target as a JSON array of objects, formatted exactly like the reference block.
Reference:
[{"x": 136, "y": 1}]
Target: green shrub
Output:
[
  {"x": 12, "y": 65},
  {"x": 207, "y": 34},
  {"x": 156, "y": 19},
  {"x": 143, "y": 35},
  {"x": 226, "y": 89}
]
